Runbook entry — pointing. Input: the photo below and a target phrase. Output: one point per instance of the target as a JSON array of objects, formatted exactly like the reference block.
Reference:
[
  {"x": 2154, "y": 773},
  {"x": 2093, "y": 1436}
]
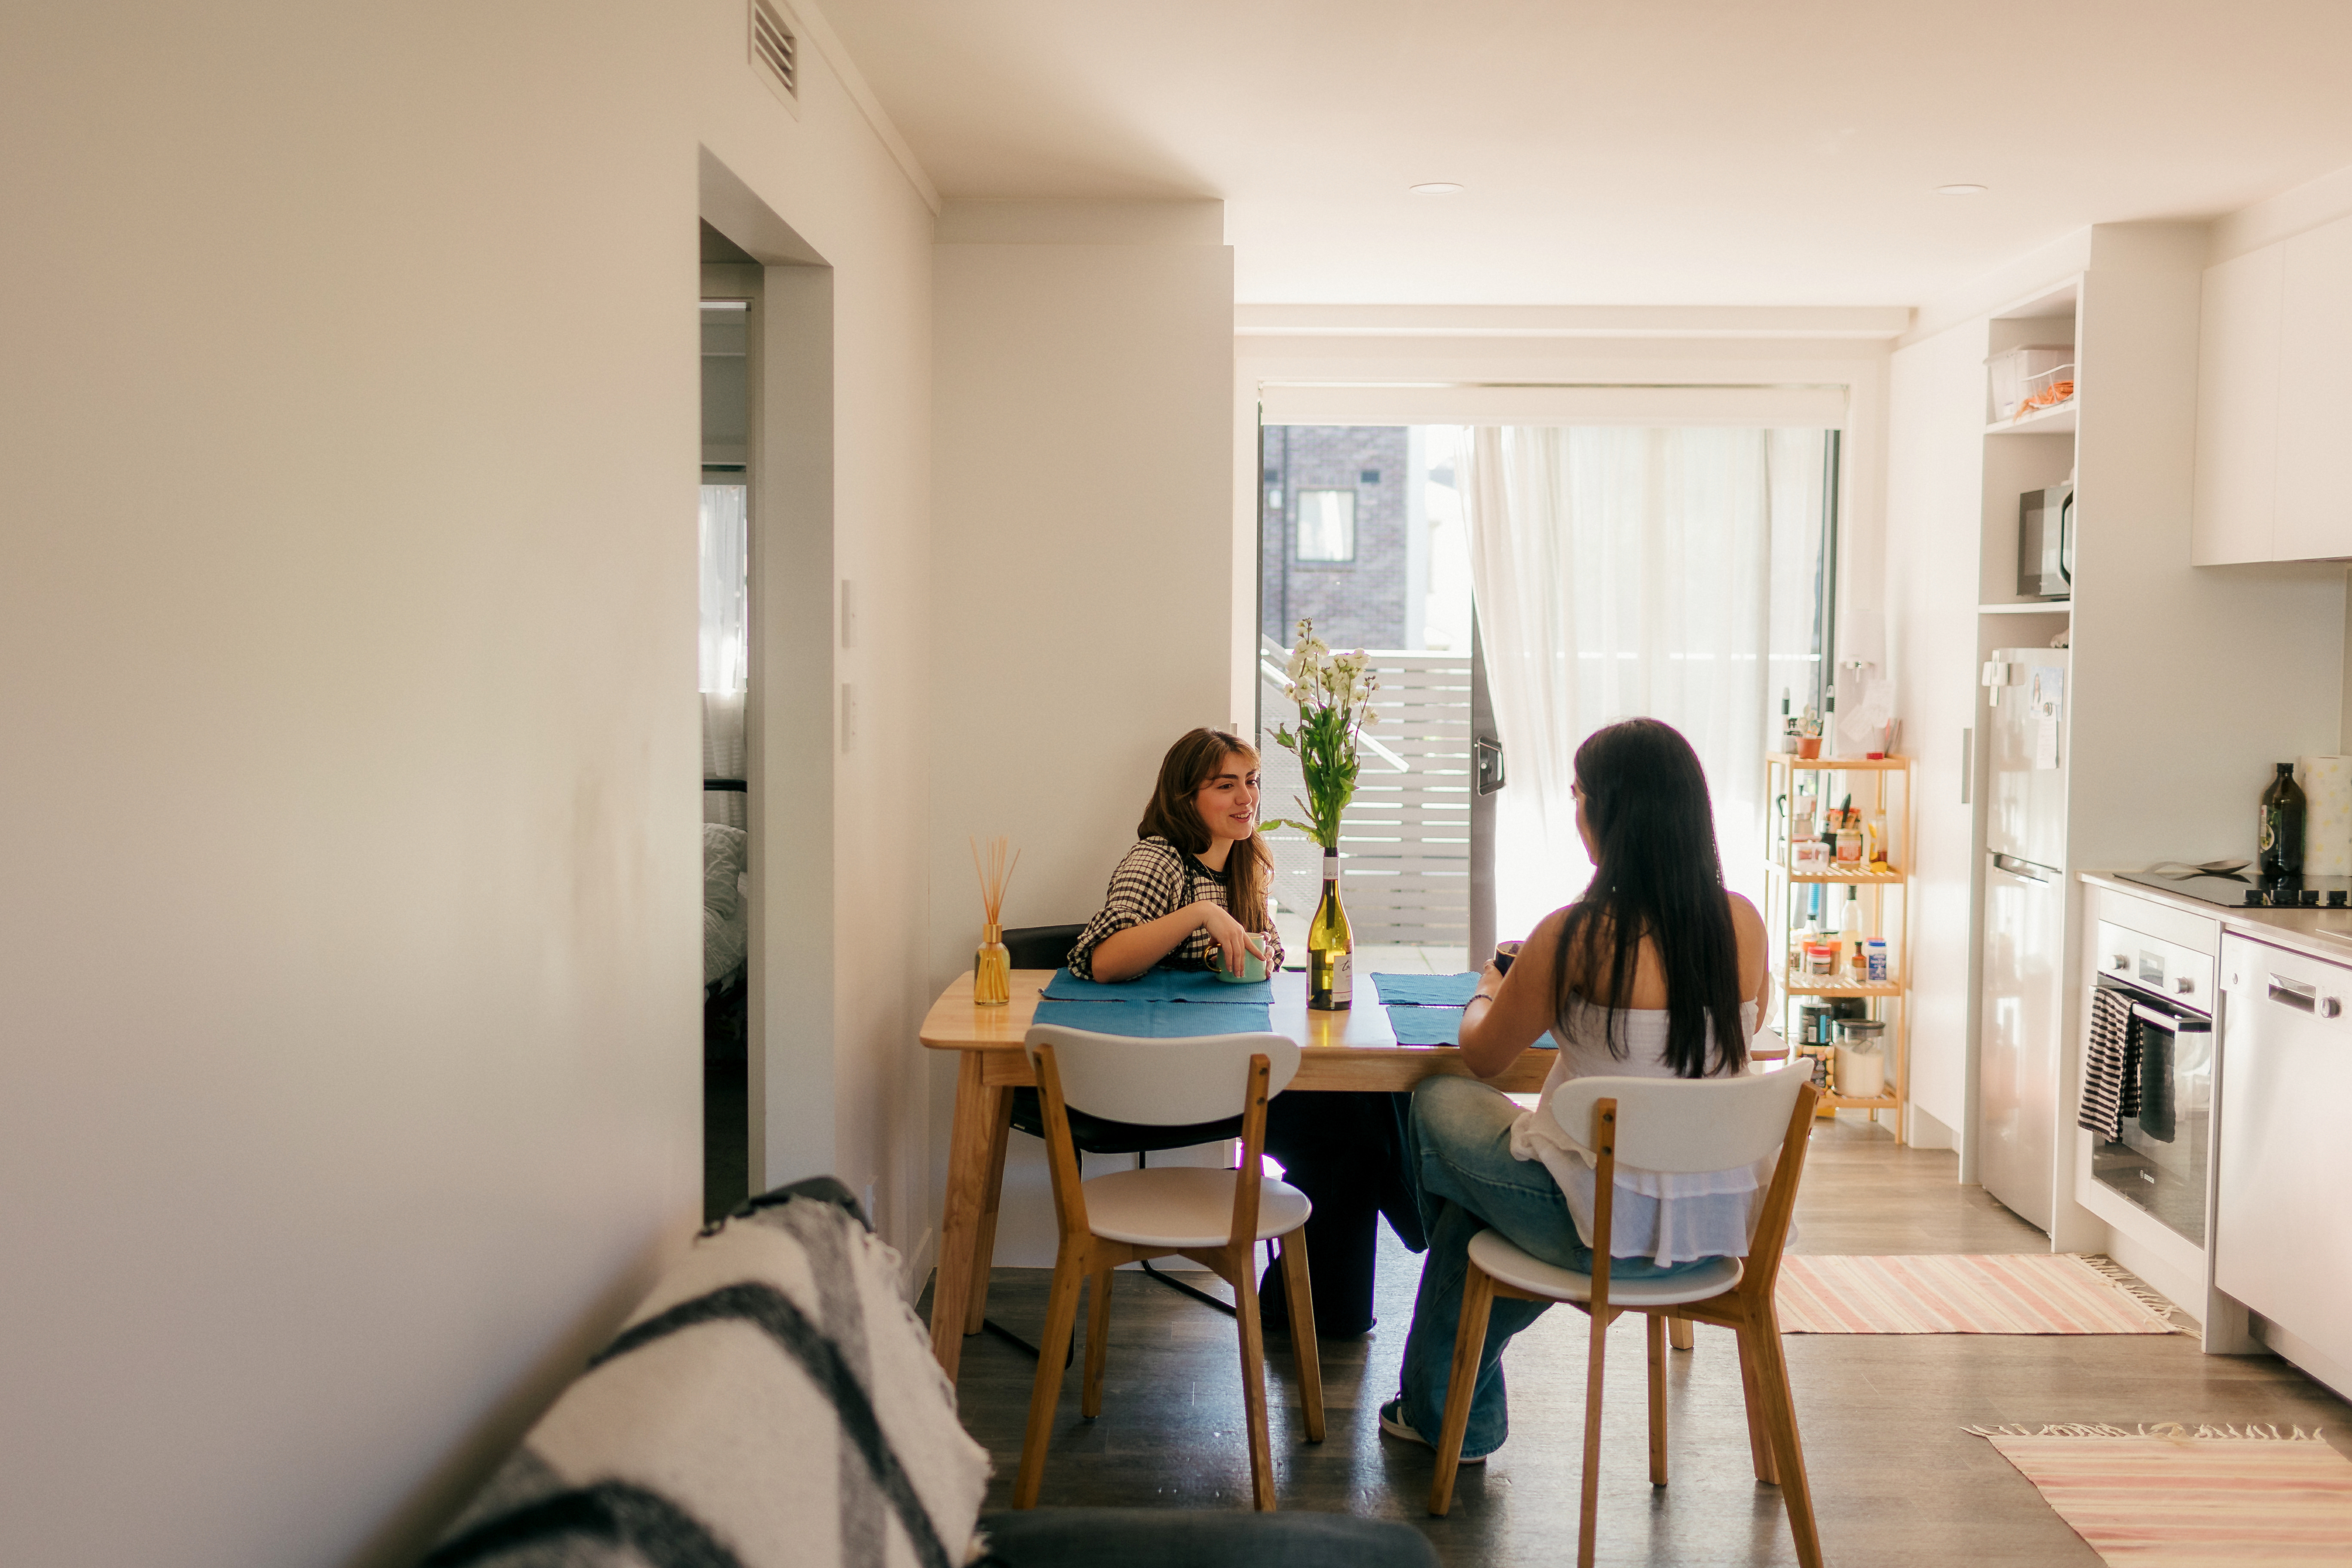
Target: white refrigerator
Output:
[{"x": 2022, "y": 944}]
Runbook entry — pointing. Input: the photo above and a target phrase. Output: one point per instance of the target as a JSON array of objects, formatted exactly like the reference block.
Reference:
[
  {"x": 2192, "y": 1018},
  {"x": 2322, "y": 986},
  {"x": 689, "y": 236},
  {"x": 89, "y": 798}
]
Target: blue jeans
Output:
[{"x": 1458, "y": 1157}]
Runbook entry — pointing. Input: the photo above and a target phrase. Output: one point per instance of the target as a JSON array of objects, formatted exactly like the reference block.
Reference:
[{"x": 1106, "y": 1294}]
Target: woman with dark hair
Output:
[
  {"x": 1191, "y": 894},
  {"x": 1654, "y": 972}
]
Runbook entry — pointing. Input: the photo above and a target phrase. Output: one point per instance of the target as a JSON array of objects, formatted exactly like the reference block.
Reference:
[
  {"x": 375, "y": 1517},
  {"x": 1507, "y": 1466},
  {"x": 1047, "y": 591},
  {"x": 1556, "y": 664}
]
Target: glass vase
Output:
[{"x": 991, "y": 970}]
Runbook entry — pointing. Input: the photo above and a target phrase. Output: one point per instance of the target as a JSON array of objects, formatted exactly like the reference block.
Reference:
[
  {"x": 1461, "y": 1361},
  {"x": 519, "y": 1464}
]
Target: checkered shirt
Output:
[{"x": 1157, "y": 878}]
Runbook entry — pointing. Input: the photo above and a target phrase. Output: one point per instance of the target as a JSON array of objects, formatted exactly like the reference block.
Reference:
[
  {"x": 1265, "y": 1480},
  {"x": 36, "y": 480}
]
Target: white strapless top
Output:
[{"x": 1671, "y": 1217}]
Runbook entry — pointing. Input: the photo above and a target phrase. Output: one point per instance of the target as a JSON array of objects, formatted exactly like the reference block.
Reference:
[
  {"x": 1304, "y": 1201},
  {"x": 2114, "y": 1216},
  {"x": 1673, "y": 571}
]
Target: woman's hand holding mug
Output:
[{"x": 1238, "y": 946}]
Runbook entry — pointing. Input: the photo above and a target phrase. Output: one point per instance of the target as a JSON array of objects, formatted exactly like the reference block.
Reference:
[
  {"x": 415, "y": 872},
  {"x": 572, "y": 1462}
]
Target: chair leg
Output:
[
  {"x": 1298, "y": 1296},
  {"x": 1679, "y": 1333},
  {"x": 1261, "y": 1450},
  {"x": 1061, "y": 1317},
  {"x": 1656, "y": 1334},
  {"x": 1760, "y": 1435},
  {"x": 1780, "y": 1415},
  {"x": 1461, "y": 1383},
  {"x": 1596, "y": 1364},
  {"x": 1097, "y": 1343}
]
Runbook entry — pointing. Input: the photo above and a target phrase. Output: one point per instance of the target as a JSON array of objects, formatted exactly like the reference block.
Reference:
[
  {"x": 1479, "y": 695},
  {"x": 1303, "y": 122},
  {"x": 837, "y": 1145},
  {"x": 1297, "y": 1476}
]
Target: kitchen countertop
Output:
[{"x": 2320, "y": 934}]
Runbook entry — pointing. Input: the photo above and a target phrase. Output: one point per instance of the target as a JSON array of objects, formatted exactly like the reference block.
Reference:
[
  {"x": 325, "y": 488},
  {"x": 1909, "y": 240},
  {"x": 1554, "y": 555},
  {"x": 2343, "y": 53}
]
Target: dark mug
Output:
[{"x": 1504, "y": 952}]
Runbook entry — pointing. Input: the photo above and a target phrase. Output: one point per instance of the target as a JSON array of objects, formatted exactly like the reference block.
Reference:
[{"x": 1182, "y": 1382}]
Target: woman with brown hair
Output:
[{"x": 1192, "y": 894}]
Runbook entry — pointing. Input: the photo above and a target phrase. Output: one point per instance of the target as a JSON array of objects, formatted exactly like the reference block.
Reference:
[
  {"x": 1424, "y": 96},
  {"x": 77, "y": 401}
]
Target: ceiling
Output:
[{"x": 1619, "y": 152}]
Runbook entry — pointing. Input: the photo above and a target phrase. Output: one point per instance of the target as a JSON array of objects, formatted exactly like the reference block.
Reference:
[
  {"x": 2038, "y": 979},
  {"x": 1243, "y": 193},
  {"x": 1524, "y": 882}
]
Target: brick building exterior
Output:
[{"x": 1316, "y": 476}]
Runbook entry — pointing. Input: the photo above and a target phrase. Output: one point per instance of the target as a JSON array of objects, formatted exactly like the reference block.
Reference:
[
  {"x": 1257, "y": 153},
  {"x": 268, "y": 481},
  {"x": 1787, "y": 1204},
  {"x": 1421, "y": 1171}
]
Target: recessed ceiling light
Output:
[
  {"x": 1962, "y": 189},
  {"x": 1436, "y": 188}
]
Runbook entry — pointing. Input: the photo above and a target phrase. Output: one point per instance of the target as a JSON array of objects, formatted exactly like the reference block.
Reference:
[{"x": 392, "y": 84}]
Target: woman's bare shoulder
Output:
[{"x": 1744, "y": 917}]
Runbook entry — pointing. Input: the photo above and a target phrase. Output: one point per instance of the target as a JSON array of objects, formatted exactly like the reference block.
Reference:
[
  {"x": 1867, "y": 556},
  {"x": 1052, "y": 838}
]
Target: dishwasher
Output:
[{"x": 2281, "y": 1249}]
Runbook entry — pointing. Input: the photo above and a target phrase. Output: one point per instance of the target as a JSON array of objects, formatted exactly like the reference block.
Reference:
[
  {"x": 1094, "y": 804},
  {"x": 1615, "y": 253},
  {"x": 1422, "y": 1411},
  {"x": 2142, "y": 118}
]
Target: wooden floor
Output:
[{"x": 1897, "y": 1480}]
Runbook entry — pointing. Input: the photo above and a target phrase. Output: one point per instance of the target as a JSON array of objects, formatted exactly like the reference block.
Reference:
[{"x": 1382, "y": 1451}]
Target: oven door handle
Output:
[{"x": 2175, "y": 1023}]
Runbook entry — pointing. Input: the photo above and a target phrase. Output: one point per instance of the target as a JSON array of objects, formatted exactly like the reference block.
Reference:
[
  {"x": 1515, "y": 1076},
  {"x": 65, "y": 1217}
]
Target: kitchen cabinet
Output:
[
  {"x": 2273, "y": 401},
  {"x": 2237, "y": 410},
  {"x": 2280, "y": 1247},
  {"x": 2315, "y": 395}
]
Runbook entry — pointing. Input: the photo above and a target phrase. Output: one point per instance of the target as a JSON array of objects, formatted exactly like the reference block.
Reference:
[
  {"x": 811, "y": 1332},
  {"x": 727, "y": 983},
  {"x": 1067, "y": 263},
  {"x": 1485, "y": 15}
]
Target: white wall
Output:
[
  {"x": 1934, "y": 480},
  {"x": 348, "y": 932},
  {"x": 1084, "y": 609},
  {"x": 840, "y": 915}
]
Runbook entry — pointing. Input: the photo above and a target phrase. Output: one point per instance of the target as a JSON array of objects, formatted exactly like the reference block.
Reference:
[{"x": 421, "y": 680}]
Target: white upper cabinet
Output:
[
  {"x": 2237, "y": 411},
  {"x": 2275, "y": 404},
  {"x": 2315, "y": 396}
]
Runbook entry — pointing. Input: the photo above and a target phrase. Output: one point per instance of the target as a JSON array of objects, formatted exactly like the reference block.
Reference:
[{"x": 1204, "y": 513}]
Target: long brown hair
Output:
[{"x": 1189, "y": 763}]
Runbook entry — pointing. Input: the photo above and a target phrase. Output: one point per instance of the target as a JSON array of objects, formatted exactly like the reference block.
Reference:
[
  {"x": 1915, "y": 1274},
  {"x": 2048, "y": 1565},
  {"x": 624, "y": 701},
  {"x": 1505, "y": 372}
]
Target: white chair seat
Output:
[
  {"x": 1494, "y": 1252},
  {"x": 1185, "y": 1206}
]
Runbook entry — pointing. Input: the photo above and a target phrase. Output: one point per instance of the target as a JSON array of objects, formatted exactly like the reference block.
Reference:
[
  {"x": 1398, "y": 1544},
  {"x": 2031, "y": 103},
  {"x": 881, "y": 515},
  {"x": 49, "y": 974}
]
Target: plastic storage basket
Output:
[{"x": 2033, "y": 373}]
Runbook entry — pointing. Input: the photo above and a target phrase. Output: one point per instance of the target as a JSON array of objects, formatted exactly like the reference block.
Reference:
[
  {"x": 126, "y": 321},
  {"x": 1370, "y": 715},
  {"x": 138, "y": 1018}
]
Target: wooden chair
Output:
[
  {"x": 1664, "y": 1125},
  {"x": 1216, "y": 1218}
]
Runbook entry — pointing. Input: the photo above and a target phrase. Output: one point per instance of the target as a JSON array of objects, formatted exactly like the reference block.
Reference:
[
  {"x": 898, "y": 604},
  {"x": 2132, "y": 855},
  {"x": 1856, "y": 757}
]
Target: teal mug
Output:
[{"x": 1252, "y": 970}]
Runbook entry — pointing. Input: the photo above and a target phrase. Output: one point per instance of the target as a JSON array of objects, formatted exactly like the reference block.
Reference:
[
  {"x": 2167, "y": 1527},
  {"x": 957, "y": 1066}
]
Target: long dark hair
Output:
[
  {"x": 1659, "y": 876},
  {"x": 1189, "y": 763}
]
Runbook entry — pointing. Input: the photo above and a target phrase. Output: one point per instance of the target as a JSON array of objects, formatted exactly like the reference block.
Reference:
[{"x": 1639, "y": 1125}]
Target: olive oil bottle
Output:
[
  {"x": 2278, "y": 838},
  {"x": 1330, "y": 946}
]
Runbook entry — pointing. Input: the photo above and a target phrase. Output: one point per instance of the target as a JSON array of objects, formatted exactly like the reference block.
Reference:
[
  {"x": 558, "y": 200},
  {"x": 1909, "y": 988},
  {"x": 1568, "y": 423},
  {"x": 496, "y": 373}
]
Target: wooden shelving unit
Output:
[{"x": 1880, "y": 786}]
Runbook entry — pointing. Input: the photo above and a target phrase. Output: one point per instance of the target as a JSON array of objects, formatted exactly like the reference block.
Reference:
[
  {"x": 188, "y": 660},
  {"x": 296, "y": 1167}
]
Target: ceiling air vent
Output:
[{"x": 776, "y": 52}]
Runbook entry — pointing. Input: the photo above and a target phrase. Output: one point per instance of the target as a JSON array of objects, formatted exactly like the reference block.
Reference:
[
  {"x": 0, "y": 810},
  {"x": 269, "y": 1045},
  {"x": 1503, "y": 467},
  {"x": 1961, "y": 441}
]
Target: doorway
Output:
[{"x": 723, "y": 675}]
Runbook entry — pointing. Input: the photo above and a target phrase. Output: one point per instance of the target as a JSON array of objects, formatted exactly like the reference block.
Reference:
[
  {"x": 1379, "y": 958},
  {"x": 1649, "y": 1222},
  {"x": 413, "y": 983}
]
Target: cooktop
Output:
[{"x": 2246, "y": 890}]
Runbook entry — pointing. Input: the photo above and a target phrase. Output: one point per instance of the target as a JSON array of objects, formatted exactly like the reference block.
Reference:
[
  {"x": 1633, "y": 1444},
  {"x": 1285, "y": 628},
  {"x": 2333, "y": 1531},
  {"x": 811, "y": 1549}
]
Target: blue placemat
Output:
[
  {"x": 1425, "y": 990},
  {"x": 1158, "y": 1020},
  {"x": 1439, "y": 1027},
  {"x": 1426, "y": 1026},
  {"x": 1188, "y": 985}
]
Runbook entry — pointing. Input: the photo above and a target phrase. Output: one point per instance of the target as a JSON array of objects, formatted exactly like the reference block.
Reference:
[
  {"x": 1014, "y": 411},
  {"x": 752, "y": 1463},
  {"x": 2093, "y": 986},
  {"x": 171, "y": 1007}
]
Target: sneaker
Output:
[{"x": 1393, "y": 1423}]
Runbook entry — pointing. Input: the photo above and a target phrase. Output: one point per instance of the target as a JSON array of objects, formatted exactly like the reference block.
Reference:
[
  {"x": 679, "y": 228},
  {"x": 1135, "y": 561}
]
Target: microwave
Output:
[{"x": 2045, "y": 543}]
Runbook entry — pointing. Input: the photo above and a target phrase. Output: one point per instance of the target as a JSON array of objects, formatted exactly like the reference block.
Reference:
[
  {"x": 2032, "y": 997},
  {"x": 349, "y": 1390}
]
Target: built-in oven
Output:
[{"x": 2158, "y": 1161}]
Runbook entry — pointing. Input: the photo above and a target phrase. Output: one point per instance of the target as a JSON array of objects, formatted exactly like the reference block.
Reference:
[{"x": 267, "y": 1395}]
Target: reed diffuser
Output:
[{"x": 992, "y": 966}]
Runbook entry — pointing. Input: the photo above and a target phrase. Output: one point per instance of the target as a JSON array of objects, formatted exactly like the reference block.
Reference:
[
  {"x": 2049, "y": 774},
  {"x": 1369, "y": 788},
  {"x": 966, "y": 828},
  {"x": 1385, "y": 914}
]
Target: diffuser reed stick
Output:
[{"x": 991, "y": 968}]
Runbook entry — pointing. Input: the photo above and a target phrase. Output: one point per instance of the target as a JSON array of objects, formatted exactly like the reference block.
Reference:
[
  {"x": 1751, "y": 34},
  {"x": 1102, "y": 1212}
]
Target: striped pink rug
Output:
[
  {"x": 2170, "y": 1497},
  {"x": 1997, "y": 1293}
]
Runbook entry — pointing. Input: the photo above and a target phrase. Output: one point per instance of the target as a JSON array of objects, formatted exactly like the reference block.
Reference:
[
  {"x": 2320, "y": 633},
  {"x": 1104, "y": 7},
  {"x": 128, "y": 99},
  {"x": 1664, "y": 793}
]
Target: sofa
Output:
[{"x": 773, "y": 1404}]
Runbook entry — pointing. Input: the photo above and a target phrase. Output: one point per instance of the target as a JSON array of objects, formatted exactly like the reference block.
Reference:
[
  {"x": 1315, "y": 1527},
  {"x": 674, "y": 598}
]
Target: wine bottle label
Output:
[
  {"x": 1330, "y": 869},
  {"x": 1343, "y": 976}
]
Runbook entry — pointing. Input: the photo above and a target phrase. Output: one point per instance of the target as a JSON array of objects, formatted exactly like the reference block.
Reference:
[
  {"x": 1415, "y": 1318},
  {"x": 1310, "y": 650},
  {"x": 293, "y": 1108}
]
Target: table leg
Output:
[
  {"x": 983, "y": 1250},
  {"x": 967, "y": 1193}
]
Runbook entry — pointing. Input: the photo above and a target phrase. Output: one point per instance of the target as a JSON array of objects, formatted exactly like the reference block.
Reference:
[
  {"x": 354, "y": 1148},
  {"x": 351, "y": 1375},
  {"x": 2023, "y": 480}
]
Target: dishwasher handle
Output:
[{"x": 2304, "y": 997}]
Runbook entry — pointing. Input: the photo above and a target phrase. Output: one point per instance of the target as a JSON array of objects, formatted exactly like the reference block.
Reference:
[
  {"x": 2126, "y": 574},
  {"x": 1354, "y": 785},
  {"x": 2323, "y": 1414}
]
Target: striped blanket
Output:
[{"x": 772, "y": 1404}]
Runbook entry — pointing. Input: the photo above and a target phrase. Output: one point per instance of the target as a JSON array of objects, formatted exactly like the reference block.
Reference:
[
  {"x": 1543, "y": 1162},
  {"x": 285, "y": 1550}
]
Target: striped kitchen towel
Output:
[{"x": 2111, "y": 1067}]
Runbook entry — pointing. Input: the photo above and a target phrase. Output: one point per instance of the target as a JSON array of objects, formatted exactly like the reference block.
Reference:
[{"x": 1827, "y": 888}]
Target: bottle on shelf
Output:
[{"x": 2279, "y": 838}]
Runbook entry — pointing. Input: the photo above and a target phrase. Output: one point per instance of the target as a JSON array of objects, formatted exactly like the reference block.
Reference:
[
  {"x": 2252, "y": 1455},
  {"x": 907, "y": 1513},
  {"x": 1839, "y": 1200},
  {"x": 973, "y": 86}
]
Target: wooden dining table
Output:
[{"x": 1349, "y": 1050}]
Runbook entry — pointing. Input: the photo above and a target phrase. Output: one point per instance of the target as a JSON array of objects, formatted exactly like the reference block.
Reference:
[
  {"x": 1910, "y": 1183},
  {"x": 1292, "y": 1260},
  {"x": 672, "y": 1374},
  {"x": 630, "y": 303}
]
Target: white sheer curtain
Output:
[
  {"x": 1623, "y": 573},
  {"x": 725, "y": 650}
]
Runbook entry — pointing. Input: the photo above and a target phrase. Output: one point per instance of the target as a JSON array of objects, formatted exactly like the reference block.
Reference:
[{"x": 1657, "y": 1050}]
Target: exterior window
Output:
[{"x": 1326, "y": 525}]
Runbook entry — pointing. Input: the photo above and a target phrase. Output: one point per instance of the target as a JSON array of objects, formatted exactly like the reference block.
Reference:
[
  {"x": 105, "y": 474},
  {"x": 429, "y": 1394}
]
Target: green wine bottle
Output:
[{"x": 1330, "y": 947}]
